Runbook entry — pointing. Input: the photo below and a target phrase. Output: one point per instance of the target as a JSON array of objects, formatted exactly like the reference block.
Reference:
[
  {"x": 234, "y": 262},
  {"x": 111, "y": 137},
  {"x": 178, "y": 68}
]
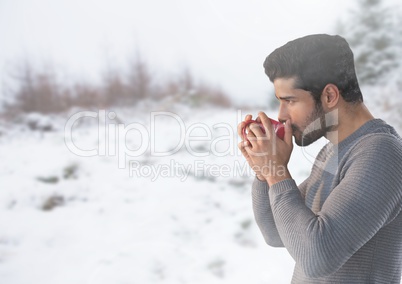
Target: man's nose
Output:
[{"x": 283, "y": 114}]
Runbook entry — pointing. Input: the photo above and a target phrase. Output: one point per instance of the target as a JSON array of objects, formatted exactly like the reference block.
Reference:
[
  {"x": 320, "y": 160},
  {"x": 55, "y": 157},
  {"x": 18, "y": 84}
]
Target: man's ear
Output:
[{"x": 330, "y": 96}]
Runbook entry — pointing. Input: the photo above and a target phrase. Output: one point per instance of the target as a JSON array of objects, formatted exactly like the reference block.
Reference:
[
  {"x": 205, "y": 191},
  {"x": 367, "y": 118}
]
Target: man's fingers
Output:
[
  {"x": 266, "y": 122},
  {"x": 255, "y": 131},
  {"x": 241, "y": 125},
  {"x": 242, "y": 146}
]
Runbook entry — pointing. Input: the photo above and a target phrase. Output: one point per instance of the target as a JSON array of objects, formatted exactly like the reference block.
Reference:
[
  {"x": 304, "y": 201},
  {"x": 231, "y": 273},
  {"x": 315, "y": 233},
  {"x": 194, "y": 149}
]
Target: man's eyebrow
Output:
[{"x": 285, "y": 97}]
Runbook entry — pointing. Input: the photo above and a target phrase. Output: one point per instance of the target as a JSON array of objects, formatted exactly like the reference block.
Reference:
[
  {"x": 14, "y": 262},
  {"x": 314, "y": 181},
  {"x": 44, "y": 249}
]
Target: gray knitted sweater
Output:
[{"x": 343, "y": 224}]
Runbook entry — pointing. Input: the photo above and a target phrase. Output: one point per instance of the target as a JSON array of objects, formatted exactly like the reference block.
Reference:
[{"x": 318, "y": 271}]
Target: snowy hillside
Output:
[{"x": 122, "y": 199}]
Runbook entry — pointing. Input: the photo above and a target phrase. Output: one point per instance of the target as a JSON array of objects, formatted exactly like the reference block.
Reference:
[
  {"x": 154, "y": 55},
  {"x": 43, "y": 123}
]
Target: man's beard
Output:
[{"x": 315, "y": 127}]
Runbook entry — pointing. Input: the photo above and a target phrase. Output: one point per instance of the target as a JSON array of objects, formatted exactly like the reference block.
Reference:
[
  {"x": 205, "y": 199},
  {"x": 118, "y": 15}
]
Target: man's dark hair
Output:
[{"x": 315, "y": 61}]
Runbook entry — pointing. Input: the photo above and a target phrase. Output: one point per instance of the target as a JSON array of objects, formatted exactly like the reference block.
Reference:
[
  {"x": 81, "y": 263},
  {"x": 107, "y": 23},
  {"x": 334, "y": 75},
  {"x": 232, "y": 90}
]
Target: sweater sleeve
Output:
[
  {"x": 367, "y": 198},
  {"x": 263, "y": 212}
]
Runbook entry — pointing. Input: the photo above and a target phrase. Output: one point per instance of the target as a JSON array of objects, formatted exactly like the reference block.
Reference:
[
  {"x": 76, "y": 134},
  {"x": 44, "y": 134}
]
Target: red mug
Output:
[{"x": 278, "y": 128}]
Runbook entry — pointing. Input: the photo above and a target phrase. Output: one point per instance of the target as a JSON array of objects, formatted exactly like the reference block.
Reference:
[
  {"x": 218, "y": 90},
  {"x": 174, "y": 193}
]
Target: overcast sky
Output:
[{"x": 224, "y": 42}]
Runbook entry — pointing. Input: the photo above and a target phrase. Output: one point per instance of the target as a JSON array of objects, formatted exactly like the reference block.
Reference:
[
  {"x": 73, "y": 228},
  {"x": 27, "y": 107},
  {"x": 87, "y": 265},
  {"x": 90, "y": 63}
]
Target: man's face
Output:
[{"x": 306, "y": 116}]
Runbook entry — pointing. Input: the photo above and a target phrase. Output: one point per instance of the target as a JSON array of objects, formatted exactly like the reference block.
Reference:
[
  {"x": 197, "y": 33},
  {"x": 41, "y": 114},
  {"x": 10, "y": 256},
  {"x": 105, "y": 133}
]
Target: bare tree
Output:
[
  {"x": 37, "y": 91},
  {"x": 41, "y": 91},
  {"x": 139, "y": 79},
  {"x": 114, "y": 90}
]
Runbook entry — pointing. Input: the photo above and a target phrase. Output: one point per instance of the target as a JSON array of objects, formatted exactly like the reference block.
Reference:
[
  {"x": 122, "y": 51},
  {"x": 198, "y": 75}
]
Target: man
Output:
[{"x": 343, "y": 224}]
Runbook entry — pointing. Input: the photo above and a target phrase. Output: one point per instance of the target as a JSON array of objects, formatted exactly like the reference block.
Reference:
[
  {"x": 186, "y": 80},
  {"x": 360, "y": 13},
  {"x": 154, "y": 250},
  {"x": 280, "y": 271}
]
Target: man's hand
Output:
[
  {"x": 244, "y": 143},
  {"x": 266, "y": 154}
]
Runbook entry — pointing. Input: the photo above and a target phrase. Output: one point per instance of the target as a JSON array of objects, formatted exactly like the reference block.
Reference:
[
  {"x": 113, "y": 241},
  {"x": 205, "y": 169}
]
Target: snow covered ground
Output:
[{"x": 121, "y": 197}]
